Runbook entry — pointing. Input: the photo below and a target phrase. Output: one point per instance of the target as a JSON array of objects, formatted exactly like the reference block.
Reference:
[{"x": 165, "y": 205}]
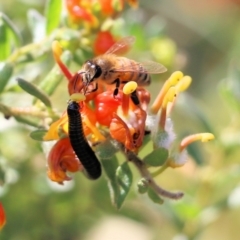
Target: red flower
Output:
[
  {"x": 106, "y": 105},
  {"x": 103, "y": 42},
  {"x": 2, "y": 217}
]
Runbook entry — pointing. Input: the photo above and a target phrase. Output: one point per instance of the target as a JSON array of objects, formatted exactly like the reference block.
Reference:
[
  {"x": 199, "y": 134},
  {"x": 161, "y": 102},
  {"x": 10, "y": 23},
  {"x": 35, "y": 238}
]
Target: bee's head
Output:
[{"x": 92, "y": 71}]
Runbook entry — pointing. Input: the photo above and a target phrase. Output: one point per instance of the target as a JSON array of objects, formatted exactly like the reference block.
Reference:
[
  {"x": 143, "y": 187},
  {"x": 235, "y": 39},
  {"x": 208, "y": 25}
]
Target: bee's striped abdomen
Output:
[
  {"x": 79, "y": 143},
  {"x": 135, "y": 72}
]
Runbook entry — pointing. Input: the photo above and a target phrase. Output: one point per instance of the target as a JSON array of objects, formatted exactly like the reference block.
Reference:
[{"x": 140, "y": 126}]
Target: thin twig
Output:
[
  {"x": 141, "y": 166},
  {"x": 19, "y": 111}
]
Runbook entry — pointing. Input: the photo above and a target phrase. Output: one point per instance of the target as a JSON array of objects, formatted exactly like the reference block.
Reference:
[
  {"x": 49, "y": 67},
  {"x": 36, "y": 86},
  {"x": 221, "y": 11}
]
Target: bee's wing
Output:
[
  {"x": 153, "y": 67},
  {"x": 125, "y": 42},
  {"x": 145, "y": 67}
]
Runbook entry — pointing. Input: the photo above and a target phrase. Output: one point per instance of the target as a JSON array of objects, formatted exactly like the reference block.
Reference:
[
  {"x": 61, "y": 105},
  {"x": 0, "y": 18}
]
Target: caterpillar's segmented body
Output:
[{"x": 79, "y": 143}]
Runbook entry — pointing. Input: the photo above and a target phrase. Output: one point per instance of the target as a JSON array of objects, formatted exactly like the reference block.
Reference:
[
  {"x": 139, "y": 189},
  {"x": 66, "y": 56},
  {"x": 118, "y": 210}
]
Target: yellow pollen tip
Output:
[
  {"x": 207, "y": 137},
  {"x": 172, "y": 81},
  {"x": 56, "y": 48},
  {"x": 130, "y": 87},
  {"x": 76, "y": 97},
  {"x": 184, "y": 83},
  {"x": 175, "y": 78}
]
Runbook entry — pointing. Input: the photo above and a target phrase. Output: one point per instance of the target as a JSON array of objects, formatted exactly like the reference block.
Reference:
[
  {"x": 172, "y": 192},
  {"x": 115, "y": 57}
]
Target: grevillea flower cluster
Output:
[
  {"x": 88, "y": 12},
  {"x": 124, "y": 123}
]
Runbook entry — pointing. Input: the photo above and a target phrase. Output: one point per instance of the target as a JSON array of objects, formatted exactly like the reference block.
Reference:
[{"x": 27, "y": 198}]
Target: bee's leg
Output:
[
  {"x": 94, "y": 89},
  {"x": 135, "y": 98},
  {"x": 117, "y": 82}
]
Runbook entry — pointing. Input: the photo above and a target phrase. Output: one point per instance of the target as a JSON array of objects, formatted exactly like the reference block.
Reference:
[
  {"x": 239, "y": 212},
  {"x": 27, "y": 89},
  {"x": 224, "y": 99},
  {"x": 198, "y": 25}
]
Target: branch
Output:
[{"x": 141, "y": 166}]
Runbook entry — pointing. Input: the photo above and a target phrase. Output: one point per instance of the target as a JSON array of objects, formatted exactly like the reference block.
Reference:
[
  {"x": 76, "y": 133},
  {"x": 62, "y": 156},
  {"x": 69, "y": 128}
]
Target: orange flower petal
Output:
[
  {"x": 79, "y": 13},
  {"x": 120, "y": 132},
  {"x": 62, "y": 159},
  {"x": 52, "y": 133}
]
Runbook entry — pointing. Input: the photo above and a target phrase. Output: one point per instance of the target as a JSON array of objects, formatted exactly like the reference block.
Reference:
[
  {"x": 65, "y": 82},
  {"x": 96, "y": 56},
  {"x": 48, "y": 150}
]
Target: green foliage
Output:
[
  {"x": 120, "y": 180},
  {"x": 154, "y": 197},
  {"x": 33, "y": 90},
  {"x": 6, "y": 70},
  {"x": 53, "y": 14},
  {"x": 157, "y": 157},
  {"x": 38, "y": 135}
]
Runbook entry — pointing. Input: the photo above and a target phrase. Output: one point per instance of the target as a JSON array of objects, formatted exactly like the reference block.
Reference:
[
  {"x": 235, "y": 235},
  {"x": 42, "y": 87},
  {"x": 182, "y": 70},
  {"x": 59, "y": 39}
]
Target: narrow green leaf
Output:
[
  {"x": 36, "y": 23},
  {"x": 34, "y": 91},
  {"x": 157, "y": 157},
  {"x": 16, "y": 34},
  {"x": 154, "y": 196},
  {"x": 6, "y": 70},
  {"x": 53, "y": 14},
  {"x": 110, "y": 167},
  {"x": 120, "y": 180},
  {"x": 124, "y": 180},
  {"x": 27, "y": 121},
  {"x": 5, "y": 46},
  {"x": 2, "y": 176},
  {"x": 38, "y": 134}
]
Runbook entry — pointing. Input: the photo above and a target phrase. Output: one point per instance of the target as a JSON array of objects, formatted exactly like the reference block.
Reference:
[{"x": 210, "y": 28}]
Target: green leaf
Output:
[
  {"x": 110, "y": 167},
  {"x": 27, "y": 121},
  {"x": 6, "y": 70},
  {"x": 120, "y": 180},
  {"x": 157, "y": 157},
  {"x": 124, "y": 180},
  {"x": 34, "y": 91},
  {"x": 154, "y": 196},
  {"x": 53, "y": 14},
  {"x": 2, "y": 176},
  {"x": 16, "y": 34},
  {"x": 5, "y": 46},
  {"x": 105, "y": 150},
  {"x": 36, "y": 23},
  {"x": 38, "y": 135},
  {"x": 142, "y": 186}
]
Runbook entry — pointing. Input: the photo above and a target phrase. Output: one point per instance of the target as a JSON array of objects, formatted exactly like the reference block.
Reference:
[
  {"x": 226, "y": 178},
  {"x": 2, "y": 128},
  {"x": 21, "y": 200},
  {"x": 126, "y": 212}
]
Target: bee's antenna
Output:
[{"x": 76, "y": 78}]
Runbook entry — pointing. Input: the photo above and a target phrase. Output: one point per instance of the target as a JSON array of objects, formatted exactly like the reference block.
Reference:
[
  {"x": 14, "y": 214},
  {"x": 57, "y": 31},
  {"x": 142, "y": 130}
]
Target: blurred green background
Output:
[{"x": 200, "y": 38}]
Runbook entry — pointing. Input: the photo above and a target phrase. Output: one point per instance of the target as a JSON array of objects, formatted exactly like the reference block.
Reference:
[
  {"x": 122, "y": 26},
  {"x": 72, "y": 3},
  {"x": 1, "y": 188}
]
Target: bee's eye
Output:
[{"x": 98, "y": 71}]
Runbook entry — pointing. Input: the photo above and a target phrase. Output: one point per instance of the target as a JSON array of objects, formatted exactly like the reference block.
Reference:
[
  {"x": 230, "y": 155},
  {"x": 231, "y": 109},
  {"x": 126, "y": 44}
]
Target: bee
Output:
[
  {"x": 79, "y": 142},
  {"x": 112, "y": 69}
]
